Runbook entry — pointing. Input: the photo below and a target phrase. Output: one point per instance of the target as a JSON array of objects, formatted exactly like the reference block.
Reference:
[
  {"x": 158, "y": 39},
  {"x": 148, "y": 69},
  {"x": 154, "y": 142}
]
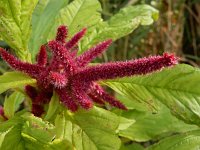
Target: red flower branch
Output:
[{"x": 69, "y": 76}]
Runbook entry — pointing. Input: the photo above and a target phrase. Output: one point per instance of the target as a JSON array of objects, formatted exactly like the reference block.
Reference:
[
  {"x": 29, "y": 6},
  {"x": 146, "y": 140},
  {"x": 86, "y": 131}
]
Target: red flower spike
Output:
[
  {"x": 57, "y": 79},
  {"x": 92, "y": 53},
  {"x": 37, "y": 110},
  {"x": 42, "y": 56},
  {"x": 61, "y": 34},
  {"x": 80, "y": 95},
  {"x": 30, "y": 69},
  {"x": 31, "y": 91},
  {"x": 62, "y": 53},
  {"x": 42, "y": 98},
  {"x": 74, "y": 53},
  {"x": 121, "y": 69},
  {"x": 75, "y": 39},
  {"x": 96, "y": 98},
  {"x": 67, "y": 100},
  {"x": 72, "y": 79},
  {"x": 99, "y": 91}
]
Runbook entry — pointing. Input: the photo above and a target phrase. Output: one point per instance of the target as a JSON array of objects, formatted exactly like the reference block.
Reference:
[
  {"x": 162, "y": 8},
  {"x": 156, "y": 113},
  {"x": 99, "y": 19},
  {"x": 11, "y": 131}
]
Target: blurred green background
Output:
[{"x": 177, "y": 30}]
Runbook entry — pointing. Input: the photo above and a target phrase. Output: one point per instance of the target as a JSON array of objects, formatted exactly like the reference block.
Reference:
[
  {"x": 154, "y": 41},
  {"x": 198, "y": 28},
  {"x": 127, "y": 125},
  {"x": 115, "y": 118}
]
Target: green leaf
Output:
[
  {"x": 36, "y": 128},
  {"x": 94, "y": 129},
  {"x": 15, "y": 24},
  {"x": 121, "y": 24},
  {"x": 29, "y": 132},
  {"x": 134, "y": 146},
  {"x": 125, "y": 123},
  {"x": 78, "y": 14},
  {"x": 53, "y": 106},
  {"x": 2, "y": 136},
  {"x": 150, "y": 126},
  {"x": 186, "y": 141},
  {"x": 13, "y": 138},
  {"x": 43, "y": 20},
  {"x": 176, "y": 87},
  {"x": 12, "y": 103},
  {"x": 13, "y": 80}
]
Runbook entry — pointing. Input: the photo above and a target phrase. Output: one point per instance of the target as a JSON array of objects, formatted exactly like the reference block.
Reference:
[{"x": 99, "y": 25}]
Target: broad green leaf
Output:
[
  {"x": 37, "y": 129},
  {"x": 43, "y": 20},
  {"x": 29, "y": 132},
  {"x": 186, "y": 141},
  {"x": 78, "y": 14},
  {"x": 13, "y": 80},
  {"x": 150, "y": 126},
  {"x": 94, "y": 129},
  {"x": 176, "y": 87},
  {"x": 12, "y": 103},
  {"x": 33, "y": 144},
  {"x": 13, "y": 138},
  {"x": 2, "y": 136},
  {"x": 15, "y": 24},
  {"x": 134, "y": 146},
  {"x": 40, "y": 135},
  {"x": 53, "y": 106},
  {"x": 121, "y": 24},
  {"x": 125, "y": 123}
]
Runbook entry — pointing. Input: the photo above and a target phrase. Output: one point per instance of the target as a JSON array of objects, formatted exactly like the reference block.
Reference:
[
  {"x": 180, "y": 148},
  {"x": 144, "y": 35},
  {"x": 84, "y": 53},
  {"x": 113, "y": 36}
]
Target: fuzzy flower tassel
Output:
[{"x": 72, "y": 78}]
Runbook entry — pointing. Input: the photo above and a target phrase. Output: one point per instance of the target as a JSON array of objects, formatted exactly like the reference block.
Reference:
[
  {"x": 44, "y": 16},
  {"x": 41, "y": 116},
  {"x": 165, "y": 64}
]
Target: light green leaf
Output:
[
  {"x": 33, "y": 144},
  {"x": 2, "y": 136},
  {"x": 186, "y": 141},
  {"x": 53, "y": 106},
  {"x": 175, "y": 87},
  {"x": 134, "y": 146},
  {"x": 125, "y": 123},
  {"x": 78, "y": 14},
  {"x": 43, "y": 20},
  {"x": 13, "y": 80},
  {"x": 121, "y": 24},
  {"x": 29, "y": 132},
  {"x": 150, "y": 126},
  {"x": 37, "y": 129},
  {"x": 13, "y": 138},
  {"x": 94, "y": 129},
  {"x": 15, "y": 24},
  {"x": 12, "y": 103}
]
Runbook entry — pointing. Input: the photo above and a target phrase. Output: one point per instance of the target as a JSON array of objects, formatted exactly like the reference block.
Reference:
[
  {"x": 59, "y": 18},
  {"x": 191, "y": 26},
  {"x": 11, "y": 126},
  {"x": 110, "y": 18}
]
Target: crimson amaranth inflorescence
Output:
[{"x": 70, "y": 76}]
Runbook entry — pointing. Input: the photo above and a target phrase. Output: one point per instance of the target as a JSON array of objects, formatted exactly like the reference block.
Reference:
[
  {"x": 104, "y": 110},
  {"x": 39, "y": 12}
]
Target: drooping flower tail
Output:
[
  {"x": 80, "y": 95},
  {"x": 101, "y": 93},
  {"x": 67, "y": 100},
  {"x": 95, "y": 98},
  {"x": 121, "y": 69}
]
